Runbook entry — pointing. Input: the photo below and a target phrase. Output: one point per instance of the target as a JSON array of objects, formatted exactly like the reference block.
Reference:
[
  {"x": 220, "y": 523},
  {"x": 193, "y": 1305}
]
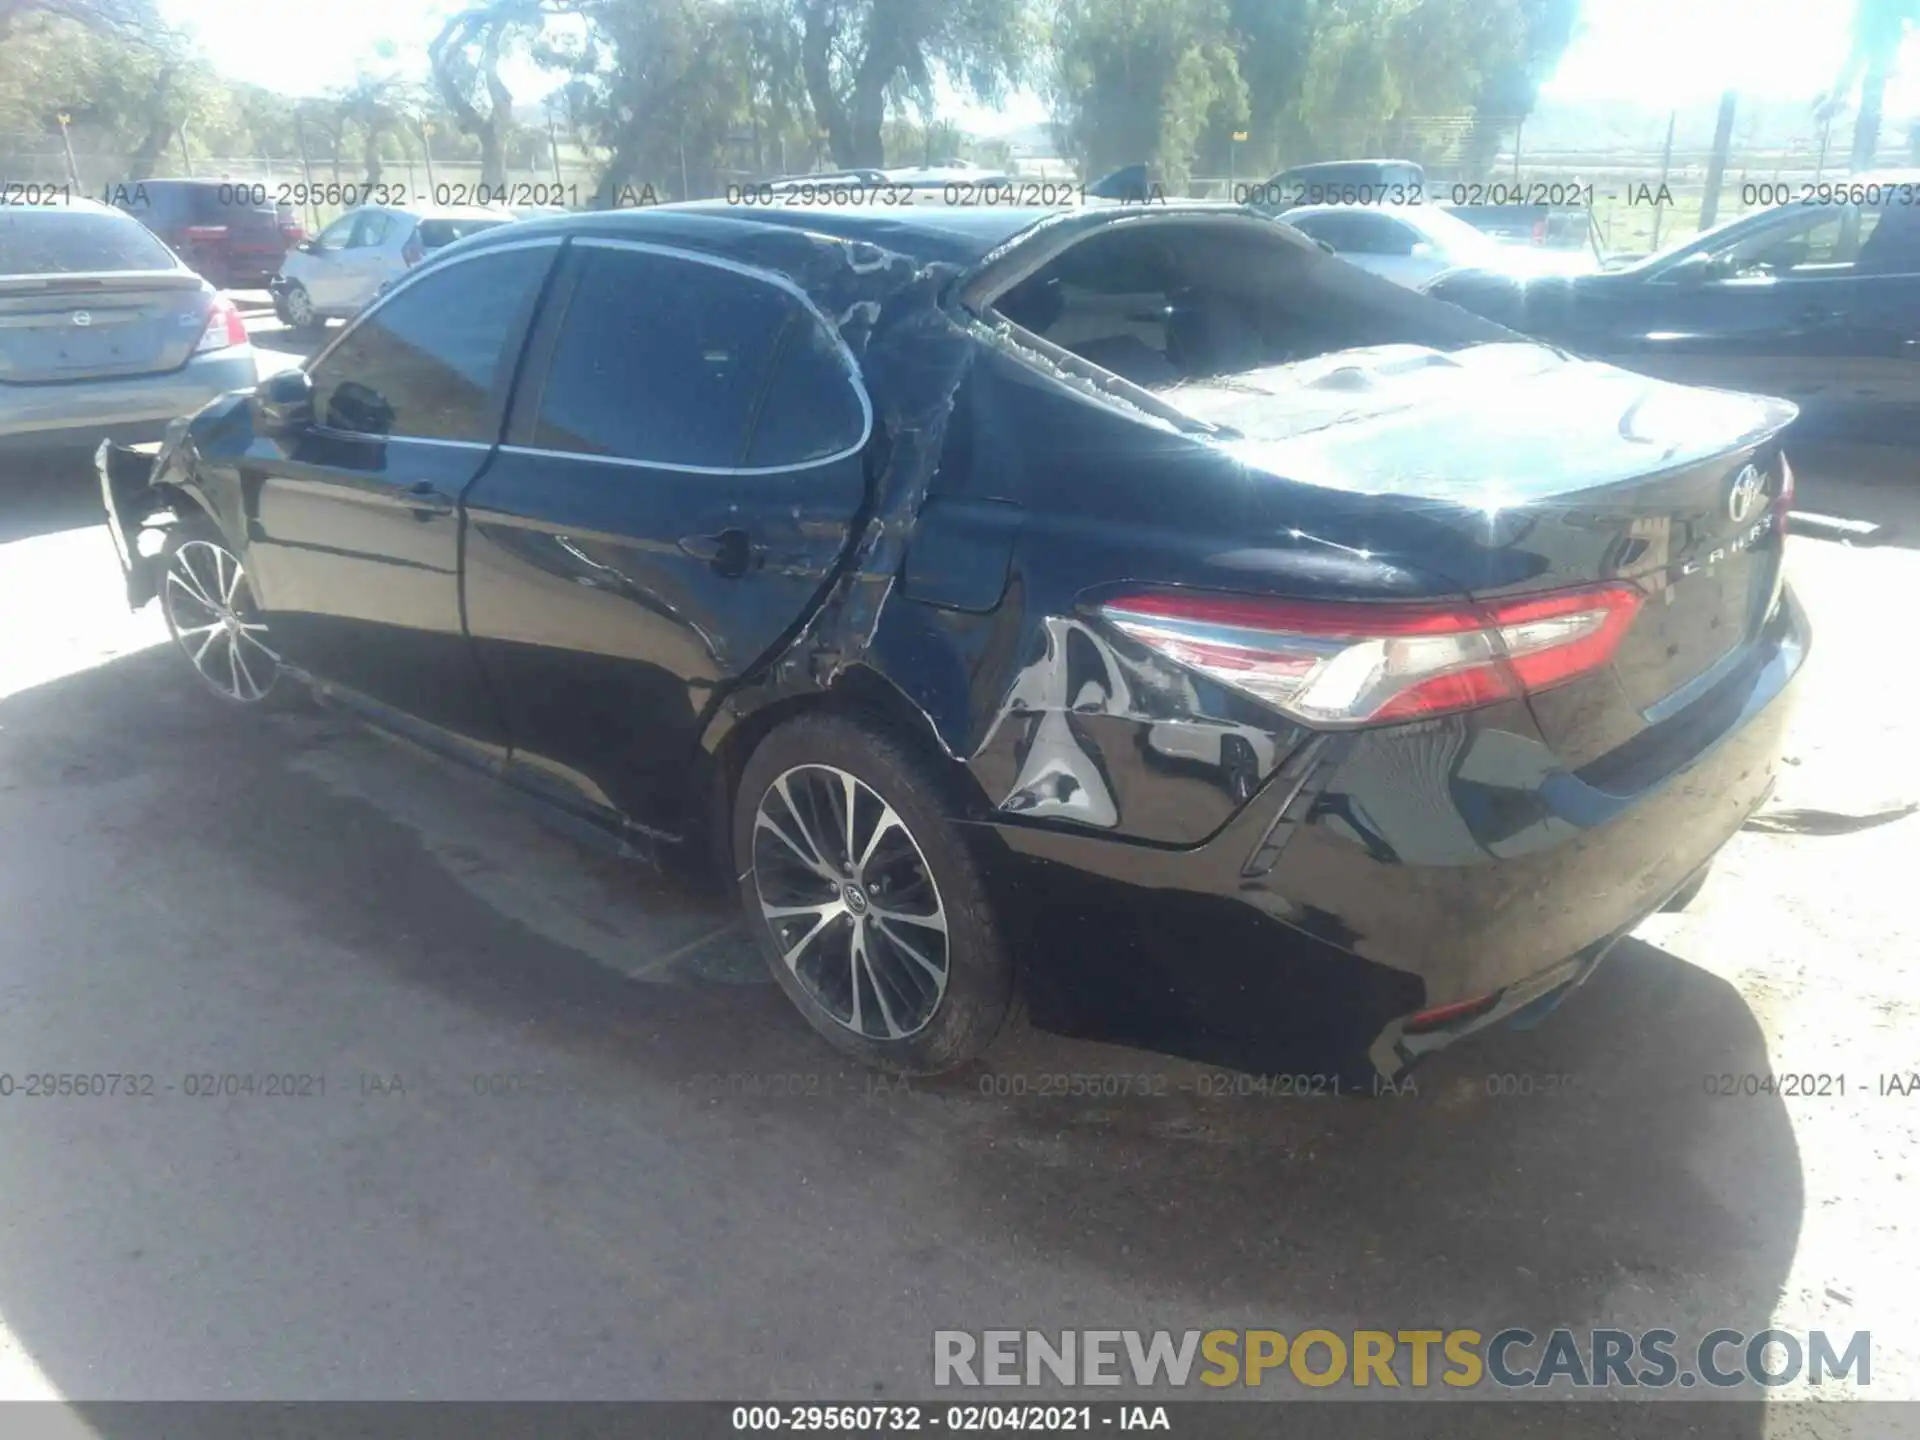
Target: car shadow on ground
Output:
[
  {"x": 1872, "y": 485},
  {"x": 187, "y": 892}
]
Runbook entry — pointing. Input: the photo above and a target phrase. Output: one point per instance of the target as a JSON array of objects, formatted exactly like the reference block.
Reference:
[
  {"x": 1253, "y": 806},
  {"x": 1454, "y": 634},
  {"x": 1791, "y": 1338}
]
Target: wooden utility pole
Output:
[
  {"x": 1717, "y": 166},
  {"x": 553, "y": 144},
  {"x": 306, "y": 170},
  {"x": 1666, "y": 169}
]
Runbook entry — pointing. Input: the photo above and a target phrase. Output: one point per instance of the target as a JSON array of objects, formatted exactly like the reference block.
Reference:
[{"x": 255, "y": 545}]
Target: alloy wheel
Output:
[
  {"x": 299, "y": 307},
  {"x": 851, "y": 902},
  {"x": 211, "y": 612}
]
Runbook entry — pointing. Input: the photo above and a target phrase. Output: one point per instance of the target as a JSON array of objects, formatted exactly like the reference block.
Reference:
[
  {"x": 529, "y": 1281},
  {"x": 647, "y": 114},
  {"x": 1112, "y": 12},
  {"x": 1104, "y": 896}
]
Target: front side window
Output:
[
  {"x": 427, "y": 363},
  {"x": 662, "y": 360},
  {"x": 44, "y": 240},
  {"x": 369, "y": 230},
  {"x": 1815, "y": 240}
]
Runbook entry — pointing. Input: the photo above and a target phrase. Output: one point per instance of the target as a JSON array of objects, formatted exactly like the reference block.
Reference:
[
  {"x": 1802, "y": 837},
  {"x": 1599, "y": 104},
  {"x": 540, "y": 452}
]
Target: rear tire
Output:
[{"x": 866, "y": 899}]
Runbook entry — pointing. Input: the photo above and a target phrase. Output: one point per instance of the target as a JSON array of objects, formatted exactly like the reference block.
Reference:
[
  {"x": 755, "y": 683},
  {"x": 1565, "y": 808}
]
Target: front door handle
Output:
[
  {"x": 731, "y": 553},
  {"x": 425, "y": 501}
]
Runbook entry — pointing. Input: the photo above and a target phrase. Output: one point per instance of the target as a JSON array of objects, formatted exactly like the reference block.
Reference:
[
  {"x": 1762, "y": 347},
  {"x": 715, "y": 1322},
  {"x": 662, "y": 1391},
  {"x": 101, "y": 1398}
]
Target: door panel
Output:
[
  {"x": 1882, "y": 401},
  {"x": 354, "y": 539},
  {"x": 613, "y": 596},
  {"x": 1770, "y": 335},
  {"x": 359, "y": 573}
]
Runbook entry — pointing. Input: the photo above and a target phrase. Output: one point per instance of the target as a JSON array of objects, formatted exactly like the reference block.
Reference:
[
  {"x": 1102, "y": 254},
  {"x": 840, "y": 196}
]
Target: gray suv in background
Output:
[{"x": 103, "y": 331}]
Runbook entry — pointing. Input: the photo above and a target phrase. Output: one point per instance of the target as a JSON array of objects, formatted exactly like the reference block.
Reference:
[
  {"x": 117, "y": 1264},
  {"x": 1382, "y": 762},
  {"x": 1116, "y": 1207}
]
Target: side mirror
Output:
[{"x": 283, "y": 403}]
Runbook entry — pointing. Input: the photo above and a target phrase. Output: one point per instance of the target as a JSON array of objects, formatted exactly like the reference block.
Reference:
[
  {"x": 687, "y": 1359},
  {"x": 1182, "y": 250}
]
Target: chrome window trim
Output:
[
  {"x": 848, "y": 363},
  {"x": 539, "y": 453},
  {"x": 380, "y": 302}
]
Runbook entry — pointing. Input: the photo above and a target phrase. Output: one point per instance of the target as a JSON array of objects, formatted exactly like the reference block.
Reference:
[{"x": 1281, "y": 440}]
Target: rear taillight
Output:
[
  {"x": 412, "y": 252},
  {"x": 206, "y": 232},
  {"x": 1349, "y": 664},
  {"x": 224, "y": 327},
  {"x": 292, "y": 232},
  {"x": 1540, "y": 231},
  {"x": 1783, "y": 502}
]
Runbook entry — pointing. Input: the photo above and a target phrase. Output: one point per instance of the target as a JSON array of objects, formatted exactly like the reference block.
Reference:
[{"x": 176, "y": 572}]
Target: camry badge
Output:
[
  {"x": 1745, "y": 491},
  {"x": 81, "y": 317}
]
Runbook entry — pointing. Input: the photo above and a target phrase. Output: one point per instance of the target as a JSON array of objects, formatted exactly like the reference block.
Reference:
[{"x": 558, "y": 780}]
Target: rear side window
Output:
[
  {"x": 663, "y": 360},
  {"x": 426, "y": 365},
  {"x": 39, "y": 240}
]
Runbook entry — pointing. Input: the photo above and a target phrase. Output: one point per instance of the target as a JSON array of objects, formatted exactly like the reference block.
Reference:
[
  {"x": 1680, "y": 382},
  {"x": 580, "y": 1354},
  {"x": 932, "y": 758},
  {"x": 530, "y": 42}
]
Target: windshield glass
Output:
[{"x": 36, "y": 240}]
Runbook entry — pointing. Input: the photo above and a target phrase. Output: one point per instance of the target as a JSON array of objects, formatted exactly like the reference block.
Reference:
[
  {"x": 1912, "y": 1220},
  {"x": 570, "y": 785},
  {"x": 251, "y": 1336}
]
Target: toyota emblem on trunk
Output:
[
  {"x": 81, "y": 317},
  {"x": 1746, "y": 490}
]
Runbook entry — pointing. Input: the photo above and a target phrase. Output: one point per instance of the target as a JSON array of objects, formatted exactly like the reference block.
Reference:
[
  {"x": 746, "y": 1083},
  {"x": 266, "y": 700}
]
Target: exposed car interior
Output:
[{"x": 1161, "y": 304}]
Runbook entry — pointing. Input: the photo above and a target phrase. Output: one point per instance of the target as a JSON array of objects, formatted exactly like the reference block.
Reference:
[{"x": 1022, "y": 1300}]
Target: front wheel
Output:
[
  {"x": 212, "y": 617},
  {"x": 867, "y": 901},
  {"x": 295, "y": 307}
]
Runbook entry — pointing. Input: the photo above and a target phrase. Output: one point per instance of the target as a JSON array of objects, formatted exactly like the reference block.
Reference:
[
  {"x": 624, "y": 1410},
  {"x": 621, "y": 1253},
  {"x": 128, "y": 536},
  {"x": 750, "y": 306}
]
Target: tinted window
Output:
[
  {"x": 40, "y": 240},
  {"x": 811, "y": 409},
  {"x": 425, "y": 364},
  {"x": 1814, "y": 239},
  {"x": 660, "y": 359}
]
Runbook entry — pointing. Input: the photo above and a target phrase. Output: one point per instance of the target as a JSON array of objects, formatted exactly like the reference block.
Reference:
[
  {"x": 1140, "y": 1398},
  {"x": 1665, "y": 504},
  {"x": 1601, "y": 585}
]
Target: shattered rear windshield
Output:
[{"x": 1163, "y": 305}]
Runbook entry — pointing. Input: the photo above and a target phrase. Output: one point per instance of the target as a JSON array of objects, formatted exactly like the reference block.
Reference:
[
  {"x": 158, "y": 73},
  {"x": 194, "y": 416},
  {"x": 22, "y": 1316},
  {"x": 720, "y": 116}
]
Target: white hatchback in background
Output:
[
  {"x": 1413, "y": 244},
  {"x": 343, "y": 267}
]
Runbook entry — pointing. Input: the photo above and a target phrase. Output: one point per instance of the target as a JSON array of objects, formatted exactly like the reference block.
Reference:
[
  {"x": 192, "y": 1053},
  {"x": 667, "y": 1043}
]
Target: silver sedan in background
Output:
[
  {"x": 338, "y": 271},
  {"x": 104, "y": 332}
]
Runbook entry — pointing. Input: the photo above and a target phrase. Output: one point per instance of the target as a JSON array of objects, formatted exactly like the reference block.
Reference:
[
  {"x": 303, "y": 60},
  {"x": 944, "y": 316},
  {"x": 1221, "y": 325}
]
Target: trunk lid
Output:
[
  {"x": 85, "y": 327},
  {"x": 1552, "y": 473}
]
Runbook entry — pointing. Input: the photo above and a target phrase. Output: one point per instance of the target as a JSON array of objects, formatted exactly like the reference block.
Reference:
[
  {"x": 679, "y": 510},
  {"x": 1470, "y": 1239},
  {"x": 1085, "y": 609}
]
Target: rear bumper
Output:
[
  {"x": 1382, "y": 875},
  {"x": 132, "y": 407}
]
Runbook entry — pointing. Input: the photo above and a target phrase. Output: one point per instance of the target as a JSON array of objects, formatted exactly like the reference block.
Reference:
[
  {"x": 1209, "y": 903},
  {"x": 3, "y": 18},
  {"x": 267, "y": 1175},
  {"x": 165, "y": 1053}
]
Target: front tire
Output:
[
  {"x": 213, "y": 619},
  {"x": 866, "y": 899}
]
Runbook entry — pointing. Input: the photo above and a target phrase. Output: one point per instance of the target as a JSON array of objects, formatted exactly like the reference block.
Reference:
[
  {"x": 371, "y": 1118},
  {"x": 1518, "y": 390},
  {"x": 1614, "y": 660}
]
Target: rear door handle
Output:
[
  {"x": 731, "y": 552},
  {"x": 425, "y": 501}
]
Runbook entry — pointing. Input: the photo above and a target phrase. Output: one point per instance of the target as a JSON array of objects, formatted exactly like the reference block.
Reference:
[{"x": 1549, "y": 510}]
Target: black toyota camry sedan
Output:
[{"x": 1134, "y": 608}]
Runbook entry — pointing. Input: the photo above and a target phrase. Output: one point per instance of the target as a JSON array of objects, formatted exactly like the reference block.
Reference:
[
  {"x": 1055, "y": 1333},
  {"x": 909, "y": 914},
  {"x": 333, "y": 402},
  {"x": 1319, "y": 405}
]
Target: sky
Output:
[{"x": 1653, "y": 52}]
